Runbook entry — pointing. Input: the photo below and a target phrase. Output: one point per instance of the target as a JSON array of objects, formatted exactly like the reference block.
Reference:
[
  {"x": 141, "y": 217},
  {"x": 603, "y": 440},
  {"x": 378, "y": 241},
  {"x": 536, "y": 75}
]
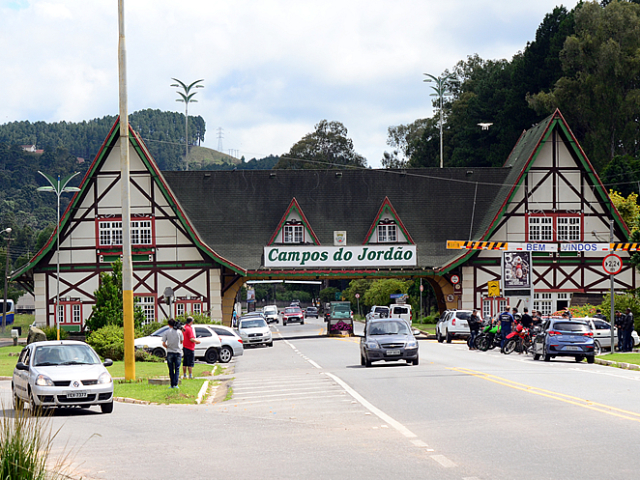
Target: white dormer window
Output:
[
  {"x": 293, "y": 234},
  {"x": 387, "y": 234}
]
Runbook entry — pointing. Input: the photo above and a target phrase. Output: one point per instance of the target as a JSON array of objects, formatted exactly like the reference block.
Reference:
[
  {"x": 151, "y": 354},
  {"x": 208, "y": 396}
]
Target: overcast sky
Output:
[{"x": 272, "y": 69}]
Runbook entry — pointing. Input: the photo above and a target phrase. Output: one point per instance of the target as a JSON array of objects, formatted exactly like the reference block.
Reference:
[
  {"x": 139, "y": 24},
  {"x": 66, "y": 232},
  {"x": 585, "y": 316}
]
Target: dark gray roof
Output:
[{"x": 237, "y": 212}]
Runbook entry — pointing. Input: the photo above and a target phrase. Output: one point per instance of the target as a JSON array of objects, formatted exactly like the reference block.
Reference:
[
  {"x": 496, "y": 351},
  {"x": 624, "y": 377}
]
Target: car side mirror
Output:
[
  {"x": 416, "y": 332},
  {"x": 107, "y": 362},
  {"x": 22, "y": 366}
]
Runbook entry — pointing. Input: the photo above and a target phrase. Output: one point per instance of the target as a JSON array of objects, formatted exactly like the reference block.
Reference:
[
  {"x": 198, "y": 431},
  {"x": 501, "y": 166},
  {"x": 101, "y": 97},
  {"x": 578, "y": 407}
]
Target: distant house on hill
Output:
[{"x": 31, "y": 149}]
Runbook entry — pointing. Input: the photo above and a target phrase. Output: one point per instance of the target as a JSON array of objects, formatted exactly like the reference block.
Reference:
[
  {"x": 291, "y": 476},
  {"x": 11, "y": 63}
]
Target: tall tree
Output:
[
  {"x": 326, "y": 147},
  {"x": 599, "y": 92}
]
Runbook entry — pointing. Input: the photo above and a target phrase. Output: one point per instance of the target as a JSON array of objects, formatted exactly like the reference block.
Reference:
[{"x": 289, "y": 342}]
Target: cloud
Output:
[{"x": 272, "y": 69}]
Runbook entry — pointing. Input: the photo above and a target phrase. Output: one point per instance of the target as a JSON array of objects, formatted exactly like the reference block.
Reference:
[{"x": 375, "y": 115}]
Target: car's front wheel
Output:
[
  {"x": 107, "y": 407},
  {"x": 226, "y": 354},
  {"x": 416, "y": 361},
  {"x": 159, "y": 352},
  {"x": 211, "y": 356}
]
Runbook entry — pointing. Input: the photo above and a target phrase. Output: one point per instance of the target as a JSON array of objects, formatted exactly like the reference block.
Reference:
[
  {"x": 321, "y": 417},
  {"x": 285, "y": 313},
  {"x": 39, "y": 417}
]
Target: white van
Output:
[{"x": 401, "y": 311}]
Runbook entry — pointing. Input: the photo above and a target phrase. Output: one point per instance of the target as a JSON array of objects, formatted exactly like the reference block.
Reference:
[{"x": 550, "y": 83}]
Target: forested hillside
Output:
[{"x": 163, "y": 132}]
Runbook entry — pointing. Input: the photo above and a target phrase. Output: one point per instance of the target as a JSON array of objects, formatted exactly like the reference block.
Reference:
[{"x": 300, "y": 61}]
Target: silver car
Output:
[
  {"x": 231, "y": 343},
  {"x": 63, "y": 373},
  {"x": 254, "y": 331}
]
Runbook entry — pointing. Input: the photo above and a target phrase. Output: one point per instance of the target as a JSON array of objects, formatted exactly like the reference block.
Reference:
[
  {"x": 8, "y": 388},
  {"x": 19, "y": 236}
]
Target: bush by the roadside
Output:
[
  {"x": 142, "y": 356},
  {"x": 108, "y": 342},
  {"x": 52, "y": 333},
  {"x": 25, "y": 445}
]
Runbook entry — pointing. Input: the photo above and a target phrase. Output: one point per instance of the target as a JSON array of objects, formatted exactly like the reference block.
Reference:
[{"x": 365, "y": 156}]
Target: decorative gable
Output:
[
  {"x": 294, "y": 228},
  {"x": 387, "y": 227}
]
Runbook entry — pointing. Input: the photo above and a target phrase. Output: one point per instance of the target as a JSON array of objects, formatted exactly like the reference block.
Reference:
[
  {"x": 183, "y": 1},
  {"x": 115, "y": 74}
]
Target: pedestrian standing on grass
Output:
[
  {"x": 628, "y": 331},
  {"x": 171, "y": 340},
  {"x": 619, "y": 325},
  {"x": 189, "y": 348},
  {"x": 474, "y": 327}
]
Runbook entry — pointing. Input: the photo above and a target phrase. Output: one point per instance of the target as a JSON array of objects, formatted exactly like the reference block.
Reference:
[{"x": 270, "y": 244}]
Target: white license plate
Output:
[
  {"x": 573, "y": 349},
  {"x": 77, "y": 395},
  {"x": 393, "y": 352}
]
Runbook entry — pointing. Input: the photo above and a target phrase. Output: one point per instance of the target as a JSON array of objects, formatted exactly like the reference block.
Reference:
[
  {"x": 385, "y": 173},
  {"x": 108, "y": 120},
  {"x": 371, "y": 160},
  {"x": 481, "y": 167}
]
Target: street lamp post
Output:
[
  {"x": 6, "y": 280},
  {"x": 187, "y": 98},
  {"x": 59, "y": 187},
  {"x": 441, "y": 91}
]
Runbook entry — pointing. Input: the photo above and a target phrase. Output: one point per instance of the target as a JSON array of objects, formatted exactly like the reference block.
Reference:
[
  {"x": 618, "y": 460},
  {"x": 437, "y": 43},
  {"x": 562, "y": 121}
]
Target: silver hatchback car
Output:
[{"x": 62, "y": 373}]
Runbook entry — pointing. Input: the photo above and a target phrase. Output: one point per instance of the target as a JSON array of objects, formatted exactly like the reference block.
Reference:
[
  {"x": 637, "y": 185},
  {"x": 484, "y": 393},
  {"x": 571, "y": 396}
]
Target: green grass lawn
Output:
[
  {"x": 425, "y": 327},
  {"x": 142, "y": 390},
  {"x": 622, "y": 357},
  {"x": 23, "y": 321}
]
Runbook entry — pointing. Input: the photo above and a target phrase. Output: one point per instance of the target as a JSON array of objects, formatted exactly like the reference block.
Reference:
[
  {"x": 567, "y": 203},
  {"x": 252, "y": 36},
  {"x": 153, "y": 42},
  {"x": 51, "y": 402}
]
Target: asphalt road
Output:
[{"x": 307, "y": 409}]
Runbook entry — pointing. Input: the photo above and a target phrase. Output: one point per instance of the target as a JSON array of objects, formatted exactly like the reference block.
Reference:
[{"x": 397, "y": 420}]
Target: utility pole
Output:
[
  {"x": 441, "y": 91},
  {"x": 187, "y": 98},
  {"x": 6, "y": 279},
  {"x": 127, "y": 265},
  {"x": 220, "y": 136}
]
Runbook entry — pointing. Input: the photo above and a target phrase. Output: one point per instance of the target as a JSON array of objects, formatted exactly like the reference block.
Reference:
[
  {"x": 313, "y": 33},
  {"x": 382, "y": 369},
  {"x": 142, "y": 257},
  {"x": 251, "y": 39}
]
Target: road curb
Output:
[{"x": 623, "y": 365}]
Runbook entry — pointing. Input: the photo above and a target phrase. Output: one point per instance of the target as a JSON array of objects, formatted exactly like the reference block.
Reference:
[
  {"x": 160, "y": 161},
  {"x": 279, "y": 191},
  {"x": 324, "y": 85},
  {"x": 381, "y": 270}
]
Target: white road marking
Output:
[
  {"x": 419, "y": 443},
  {"x": 376, "y": 411},
  {"x": 444, "y": 461}
]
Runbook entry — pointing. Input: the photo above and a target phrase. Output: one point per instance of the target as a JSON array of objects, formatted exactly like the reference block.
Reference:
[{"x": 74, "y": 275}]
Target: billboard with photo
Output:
[{"x": 516, "y": 270}]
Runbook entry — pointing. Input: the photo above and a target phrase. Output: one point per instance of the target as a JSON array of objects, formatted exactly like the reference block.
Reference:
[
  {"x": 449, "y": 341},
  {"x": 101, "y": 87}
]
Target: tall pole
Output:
[
  {"x": 6, "y": 281},
  {"x": 441, "y": 91},
  {"x": 612, "y": 294},
  {"x": 58, "y": 186},
  {"x": 187, "y": 98},
  {"x": 127, "y": 266}
]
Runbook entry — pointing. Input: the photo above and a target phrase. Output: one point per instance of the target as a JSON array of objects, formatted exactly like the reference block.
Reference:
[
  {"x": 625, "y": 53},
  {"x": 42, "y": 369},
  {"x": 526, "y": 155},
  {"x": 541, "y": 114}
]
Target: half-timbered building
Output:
[{"x": 206, "y": 233}]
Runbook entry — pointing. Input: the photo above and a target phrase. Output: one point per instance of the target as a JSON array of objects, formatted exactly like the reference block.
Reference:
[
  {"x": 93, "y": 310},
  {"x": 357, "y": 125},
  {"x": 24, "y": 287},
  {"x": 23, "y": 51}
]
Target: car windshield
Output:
[
  {"x": 270, "y": 310},
  {"x": 389, "y": 328},
  {"x": 160, "y": 331},
  {"x": 253, "y": 323},
  {"x": 48, "y": 355},
  {"x": 570, "y": 327},
  {"x": 291, "y": 310}
]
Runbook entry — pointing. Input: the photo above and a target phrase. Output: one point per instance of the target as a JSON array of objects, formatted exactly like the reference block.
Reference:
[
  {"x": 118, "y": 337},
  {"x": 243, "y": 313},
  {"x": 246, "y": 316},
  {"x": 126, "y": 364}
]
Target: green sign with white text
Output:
[{"x": 383, "y": 255}]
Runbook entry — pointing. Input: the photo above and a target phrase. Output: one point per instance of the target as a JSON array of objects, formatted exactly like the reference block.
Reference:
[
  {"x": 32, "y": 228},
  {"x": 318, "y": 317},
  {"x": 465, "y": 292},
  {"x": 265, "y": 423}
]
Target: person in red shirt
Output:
[{"x": 188, "y": 348}]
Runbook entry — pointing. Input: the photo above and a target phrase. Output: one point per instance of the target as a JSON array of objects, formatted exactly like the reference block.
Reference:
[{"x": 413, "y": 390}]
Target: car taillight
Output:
[
  {"x": 588, "y": 334},
  {"x": 453, "y": 321},
  {"x": 553, "y": 333}
]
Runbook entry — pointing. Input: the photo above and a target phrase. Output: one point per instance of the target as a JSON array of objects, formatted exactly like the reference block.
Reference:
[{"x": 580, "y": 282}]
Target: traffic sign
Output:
[
  {"x": 612, "y": 264},
  {"x": 494, "y": 288},
  {"x": 455, "y": 279},
  {"x": 357, "y": 295}
]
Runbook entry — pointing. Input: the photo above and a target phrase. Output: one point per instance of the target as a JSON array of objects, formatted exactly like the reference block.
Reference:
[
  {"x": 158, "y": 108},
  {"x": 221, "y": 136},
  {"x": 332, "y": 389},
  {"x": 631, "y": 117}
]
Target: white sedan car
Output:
[
  {"x": 254, "y": 331},
  {"x": 63, "y": 373},
  {"x": 602, "y": 334},
  {"x": 231, "y": 343},
  {"x": 208, "y": 349}
]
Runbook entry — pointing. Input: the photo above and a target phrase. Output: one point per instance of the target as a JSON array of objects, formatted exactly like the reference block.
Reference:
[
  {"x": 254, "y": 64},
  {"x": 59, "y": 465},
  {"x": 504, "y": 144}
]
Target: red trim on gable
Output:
[
  {"x": 387, "y": 203},
  {"x": 294, "y": 204}
]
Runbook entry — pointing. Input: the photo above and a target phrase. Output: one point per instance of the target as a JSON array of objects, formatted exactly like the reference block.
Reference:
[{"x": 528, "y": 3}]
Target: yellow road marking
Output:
[{"x": 580, "y": 402}]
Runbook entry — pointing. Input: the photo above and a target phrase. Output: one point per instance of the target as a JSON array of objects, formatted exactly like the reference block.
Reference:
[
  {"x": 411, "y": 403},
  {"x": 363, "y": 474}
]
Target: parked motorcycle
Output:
[
  {"x": 489, "y": 338},
  {"x": 519, "y": 340}
]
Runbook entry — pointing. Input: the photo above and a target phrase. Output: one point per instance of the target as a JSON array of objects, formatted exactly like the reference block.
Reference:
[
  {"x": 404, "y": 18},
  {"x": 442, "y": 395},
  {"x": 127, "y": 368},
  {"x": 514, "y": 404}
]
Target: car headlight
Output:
[
  {"x": 371, "y": 344},
  {"x": 104, "y": 378},
  {"x": 44, "y": 381},
  {"x": 412, "y": 344}
]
